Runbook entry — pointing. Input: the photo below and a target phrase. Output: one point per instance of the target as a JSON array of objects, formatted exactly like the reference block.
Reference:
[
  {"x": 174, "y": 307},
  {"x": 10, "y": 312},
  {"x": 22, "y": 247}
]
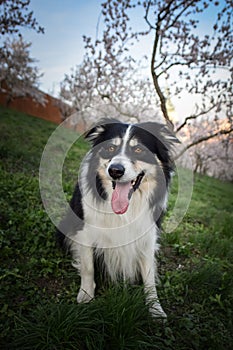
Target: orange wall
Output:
[{"x": 50, "y": 111}]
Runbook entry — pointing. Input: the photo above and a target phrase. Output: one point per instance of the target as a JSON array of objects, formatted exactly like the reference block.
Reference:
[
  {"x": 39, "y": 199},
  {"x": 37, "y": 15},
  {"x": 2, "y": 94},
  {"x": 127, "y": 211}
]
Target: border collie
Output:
[{"x": 116, "y": 209}]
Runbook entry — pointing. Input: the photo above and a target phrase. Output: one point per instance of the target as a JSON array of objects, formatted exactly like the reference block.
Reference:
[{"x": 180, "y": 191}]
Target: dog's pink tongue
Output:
[{"x": 120, "y": 200}]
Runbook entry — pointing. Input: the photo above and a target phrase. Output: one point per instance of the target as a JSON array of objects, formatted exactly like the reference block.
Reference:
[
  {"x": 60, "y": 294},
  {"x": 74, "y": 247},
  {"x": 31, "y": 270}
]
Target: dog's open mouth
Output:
[{"x": 122, "y": 192}]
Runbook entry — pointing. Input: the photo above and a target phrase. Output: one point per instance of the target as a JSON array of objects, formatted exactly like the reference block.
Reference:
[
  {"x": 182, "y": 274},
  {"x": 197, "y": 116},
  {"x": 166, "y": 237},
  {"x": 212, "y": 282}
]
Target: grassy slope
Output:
[{"x": 38, "y": 285}]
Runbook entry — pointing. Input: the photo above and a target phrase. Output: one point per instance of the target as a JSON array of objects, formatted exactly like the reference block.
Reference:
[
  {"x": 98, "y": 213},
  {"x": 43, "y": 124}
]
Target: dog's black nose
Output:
[{"x": 116, "y": 171}]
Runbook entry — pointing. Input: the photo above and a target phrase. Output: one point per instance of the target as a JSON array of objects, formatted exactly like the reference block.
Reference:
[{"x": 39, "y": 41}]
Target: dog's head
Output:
[{"x": 129, "y": 156}]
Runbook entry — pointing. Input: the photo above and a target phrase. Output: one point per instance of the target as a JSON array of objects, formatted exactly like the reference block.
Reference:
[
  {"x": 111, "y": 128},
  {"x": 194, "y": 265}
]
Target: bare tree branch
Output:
[
  {"x": 195, "y": 116},
  {"x": 155, "y": 76},
  {"x": 204, "y": 138},
  {"x": 15, "y": 14}
]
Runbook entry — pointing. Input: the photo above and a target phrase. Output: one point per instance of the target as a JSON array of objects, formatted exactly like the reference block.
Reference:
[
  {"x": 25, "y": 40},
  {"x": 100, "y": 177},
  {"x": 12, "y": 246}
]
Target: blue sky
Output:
[{"x": 61, "y": 47}]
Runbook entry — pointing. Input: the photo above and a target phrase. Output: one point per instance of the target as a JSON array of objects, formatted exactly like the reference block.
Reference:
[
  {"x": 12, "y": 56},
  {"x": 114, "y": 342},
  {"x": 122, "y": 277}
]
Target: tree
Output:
[
  {"x": 184, "y": 59},
  {"x": 213, "y": 157},
  {"x": 19, "y": 77},
  {"x": 98, "y": 88},
  {"x": 15, "y": 14},
  {"x": 178, "y": 43},
  {"x": 187, "y": 59}
]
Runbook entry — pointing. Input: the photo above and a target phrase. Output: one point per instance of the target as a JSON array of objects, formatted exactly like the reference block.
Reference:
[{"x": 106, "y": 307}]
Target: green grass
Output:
[{"x": 38, "y": 290}]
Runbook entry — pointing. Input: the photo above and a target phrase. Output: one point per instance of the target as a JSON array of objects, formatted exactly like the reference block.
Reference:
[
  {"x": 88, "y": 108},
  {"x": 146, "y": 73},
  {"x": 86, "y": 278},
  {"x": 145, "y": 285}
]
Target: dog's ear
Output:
[
  {"x": 169, "y": 136},
  {"x": 94, "y": 135},
  {"x": 162, "y": 132}
]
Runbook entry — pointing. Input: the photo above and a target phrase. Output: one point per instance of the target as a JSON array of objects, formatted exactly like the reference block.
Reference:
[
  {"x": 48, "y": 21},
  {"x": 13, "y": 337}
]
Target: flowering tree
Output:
[
  {"x": 184, "y": 58},
  {"x": 213, "y": 157},
  {"x": 96, "y": 92},
  {"x": 19, "y": 77},
  {"x": 15, "y": 14},
  {"x": 109, "y": 81}
]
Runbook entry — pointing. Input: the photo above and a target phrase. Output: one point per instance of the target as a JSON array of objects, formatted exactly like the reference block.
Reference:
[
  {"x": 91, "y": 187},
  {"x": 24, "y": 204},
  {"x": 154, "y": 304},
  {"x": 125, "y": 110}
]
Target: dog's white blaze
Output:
[
  {"x": 130, "y": 173},
  {"x": 126, "y": 139},
  {"x": 121, "y": 158}
]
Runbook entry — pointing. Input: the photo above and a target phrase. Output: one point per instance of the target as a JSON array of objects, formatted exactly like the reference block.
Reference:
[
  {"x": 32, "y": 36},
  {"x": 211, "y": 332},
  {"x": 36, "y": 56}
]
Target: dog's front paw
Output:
[{"x": 84, "y": 297}]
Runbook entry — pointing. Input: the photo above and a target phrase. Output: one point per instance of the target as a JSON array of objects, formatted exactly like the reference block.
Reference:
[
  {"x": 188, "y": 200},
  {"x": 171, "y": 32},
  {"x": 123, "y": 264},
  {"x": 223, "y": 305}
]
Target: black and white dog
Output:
[{"x": 118, "y": 203}]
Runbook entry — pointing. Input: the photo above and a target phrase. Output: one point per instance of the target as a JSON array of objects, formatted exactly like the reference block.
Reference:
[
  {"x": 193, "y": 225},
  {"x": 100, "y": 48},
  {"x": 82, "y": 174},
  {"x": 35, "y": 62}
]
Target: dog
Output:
[{"x": 118, "y": 204}]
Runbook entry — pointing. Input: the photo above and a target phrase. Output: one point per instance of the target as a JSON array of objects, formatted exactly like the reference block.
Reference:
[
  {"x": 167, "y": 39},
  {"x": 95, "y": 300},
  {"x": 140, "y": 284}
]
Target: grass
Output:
[{"x": 39, "y": 286}]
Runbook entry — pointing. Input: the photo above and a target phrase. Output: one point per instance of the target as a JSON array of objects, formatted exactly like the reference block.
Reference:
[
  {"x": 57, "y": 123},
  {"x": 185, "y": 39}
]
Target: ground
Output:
[{"x": 39, "y": 285}]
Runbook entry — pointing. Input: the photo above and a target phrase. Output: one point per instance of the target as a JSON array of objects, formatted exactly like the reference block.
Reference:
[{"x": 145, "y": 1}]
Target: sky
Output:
[{"x": 61, "y": 47}]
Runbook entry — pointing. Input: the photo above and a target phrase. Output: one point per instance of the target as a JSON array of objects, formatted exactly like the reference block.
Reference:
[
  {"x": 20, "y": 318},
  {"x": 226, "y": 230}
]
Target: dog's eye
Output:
[
  {"x": 138, "y": 149},
  {"x": 111, "y": 148}
]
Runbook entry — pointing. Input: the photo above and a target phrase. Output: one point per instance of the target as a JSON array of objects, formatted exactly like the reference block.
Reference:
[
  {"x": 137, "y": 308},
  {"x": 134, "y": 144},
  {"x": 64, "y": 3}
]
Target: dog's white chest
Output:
[{"x": 105, "y": 229}]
